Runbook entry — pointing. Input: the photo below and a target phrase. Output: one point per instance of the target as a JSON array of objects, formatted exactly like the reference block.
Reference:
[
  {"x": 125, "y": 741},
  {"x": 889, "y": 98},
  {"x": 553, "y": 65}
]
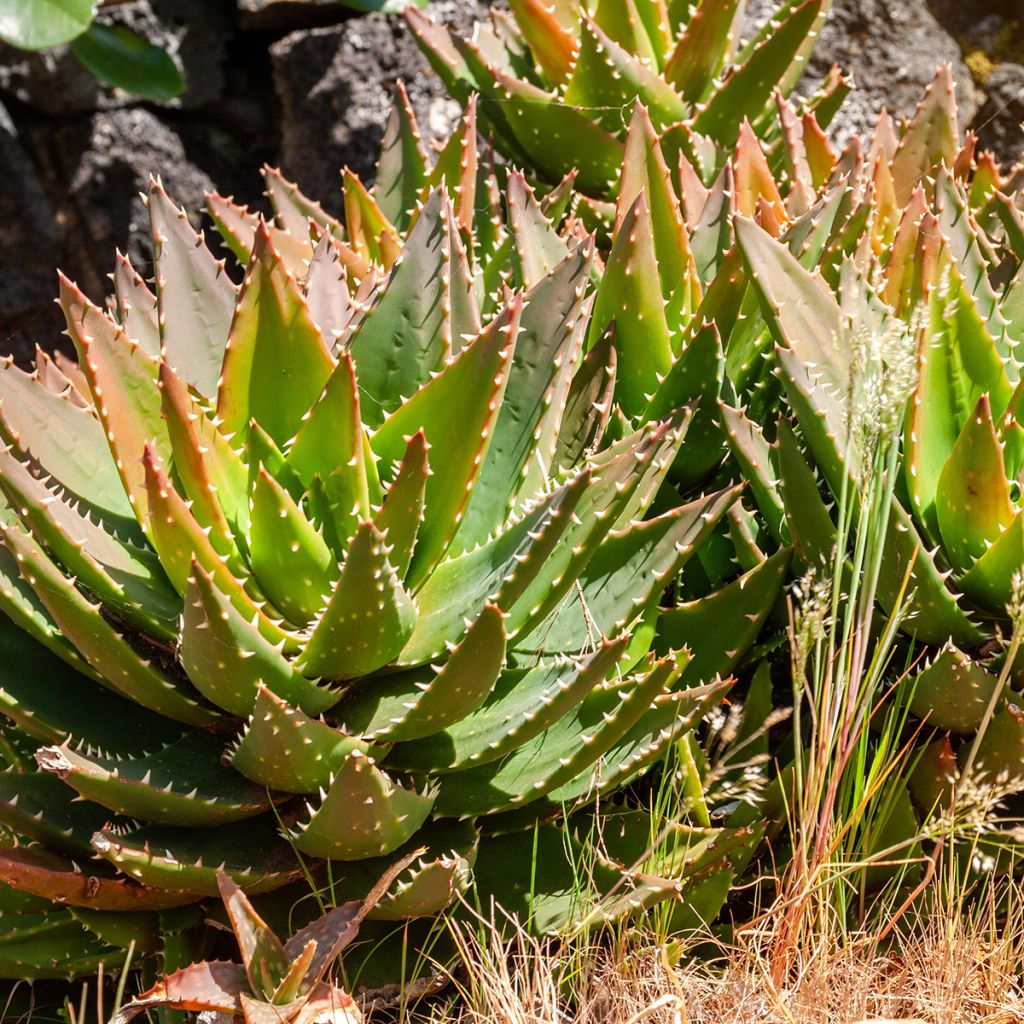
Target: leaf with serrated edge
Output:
[
  {"x": 276, "y": 362},
  {"x": 284, "y": 749},
  {"x": 412, "y": 705},
  {"x": 194, "y": 293},
  {"x": 368, "y": 593},
  {"x": 362, "y": 814}
]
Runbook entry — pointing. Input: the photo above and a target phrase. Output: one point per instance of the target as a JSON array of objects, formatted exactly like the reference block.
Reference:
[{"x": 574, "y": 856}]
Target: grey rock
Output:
[
  {"x": 1000, "y": 117},
  {"x": 891, "y": 48},
  {"x": 194, "y": 32},
  {"x": 335, "y": 87},
  {"x": 104, "y": 162},
  {"x": 30, "y": 249},
  {"x": 278, "y": 15}
]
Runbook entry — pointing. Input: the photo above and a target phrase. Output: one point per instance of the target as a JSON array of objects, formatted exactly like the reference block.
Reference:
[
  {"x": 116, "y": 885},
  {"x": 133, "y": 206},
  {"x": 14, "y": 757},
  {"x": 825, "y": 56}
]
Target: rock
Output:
[
  {"x": 104, "y": 162},
  {"x": 891, "y": 48},
  {"x": 30, "y": 250},
  {"x": 194, "y": 32},
  {"x": 335, "y": 87},
  {"x": 278, "y": 15},
  {"x": 998, "y": 123}
]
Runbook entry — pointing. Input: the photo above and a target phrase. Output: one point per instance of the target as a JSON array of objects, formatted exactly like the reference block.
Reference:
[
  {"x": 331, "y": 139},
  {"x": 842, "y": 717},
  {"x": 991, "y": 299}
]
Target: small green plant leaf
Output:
[{"x": 122, "y": 58}]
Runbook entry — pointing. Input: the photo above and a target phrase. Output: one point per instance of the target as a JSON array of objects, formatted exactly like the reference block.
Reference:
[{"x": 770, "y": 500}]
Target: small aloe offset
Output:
[
  {"x": 276, "y": 981},
  {"x": 361, "y": 555},
  {"x": 557, "y": 78}
]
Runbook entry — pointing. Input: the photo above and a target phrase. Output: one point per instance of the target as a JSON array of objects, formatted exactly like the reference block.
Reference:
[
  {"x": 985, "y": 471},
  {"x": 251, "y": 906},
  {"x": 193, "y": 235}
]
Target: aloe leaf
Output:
[
  {"x": 402, "y": 166},
  {"x": 363, "y": 814},
  {"x": 456, "y": 168},
  {"x": 284, "y": 749},
  {"x": 331, "y": 437},
  {"x": 536, "y": 117},
  {"x": 645, "y": 170},
  {"x": 136, "y": 306},
  {"x": 536, "y": 245},
  {"x": 370, "y": 233},
  {"x": 630, "y": 297},
  {"x": 276, "y": 362},
  {"x": 972, "y": 501},
  {"x": 931, "y": 138},
  {"x": 719, "y": 629},
  {"x": 399, "y": 516},
  {"x": 41, "y": 872},
  {"x": 71, "y": 707},
  {"x": 552, "y": 43},
  {"x": 127, "y": 577},
  {"x": 40, "y": 807},
  {"x": 182, "y": 784},
  {"x": 607, "y": 78},
  {"x": 750, "y": 449},
  {"x": 563, "y": 751},
  {"x": 541, "y": 362},
  {"x": 588, "y": 404},
  {"x": 625, "y": 577},
  {"x": 195, "y": 297},
  {"x": 187, "y": 860},
  {"x": 696, "y": 378},
  {"x": 476, "y": 379},
  {"x": 292, "y": 562},
  {"x": 407, "y": 335},
  {"x": 263, "y": 954},
  {"x": 416, "y": 704},
  {"x": 367, "y": 592},
  {"x": 122, "y": 668},
  {"x": 126, "y": 377},
  {"x": 294, "y": 211},
  {"x": 747, "y": 91},
  {"x": 952, "y": 691}
]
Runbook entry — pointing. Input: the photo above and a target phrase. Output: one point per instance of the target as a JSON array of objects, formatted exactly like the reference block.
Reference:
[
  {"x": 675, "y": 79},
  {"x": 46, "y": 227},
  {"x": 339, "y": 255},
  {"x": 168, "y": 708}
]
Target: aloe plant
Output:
[
  {"x": 557, "y": 80},
  {"x": 359, "y": 556},
  {"x": 924, "y": 264}
]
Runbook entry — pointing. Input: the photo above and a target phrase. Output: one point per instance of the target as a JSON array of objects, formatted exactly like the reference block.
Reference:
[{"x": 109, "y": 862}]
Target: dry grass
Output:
[{"x": 957, "y": 968}]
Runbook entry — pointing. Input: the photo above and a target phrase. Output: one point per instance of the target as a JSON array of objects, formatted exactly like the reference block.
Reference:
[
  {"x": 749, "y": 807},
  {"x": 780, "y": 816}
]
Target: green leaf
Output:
[
  {"x": 186, "y": 860},
  {"x": 522, "y": 704},
  {"x": 972, "y": 502},
  {"x": 402, "y": 165},
  {"x": 120, "y": 666},
  {"x": 719, "y": 629},
  {"x": 121, "y": 58},
  {"x": 700, "y": 52},
  {"x": 419, "y": 703},
  {"x": 412, "y": 329},
  {"x": 746, "y": 92},
  {"x": 283, "y": 748},
  {"x": 607, "y": 79},
  {"x": 42, "y": 24},
  {"x": 629, "y": 296},
  {"x": 363, "y": 814},
  {"x": 227, "y": 658},
  {"x": 931, "y": 138},
  {"x": 276, "y": 362},
  {"x": 291, "y": 561},
  {"x": 565, "y": 750},
  {"x": 195, "y": 295},
  {"x": 185, "y": 783},
  {"x": 952, "y": 691},
  {"x": 126, "y": 377},
  {"x": 368, "y": 593},
  {"x": 475, "y": 379},
  {"x": 539, "y": 375}
]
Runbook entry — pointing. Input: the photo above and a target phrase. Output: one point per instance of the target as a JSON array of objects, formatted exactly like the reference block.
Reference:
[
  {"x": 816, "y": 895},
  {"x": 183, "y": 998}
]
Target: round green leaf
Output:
[
  {"x": 120, "y": 57},
  {"x": 40, "y": 24}
]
